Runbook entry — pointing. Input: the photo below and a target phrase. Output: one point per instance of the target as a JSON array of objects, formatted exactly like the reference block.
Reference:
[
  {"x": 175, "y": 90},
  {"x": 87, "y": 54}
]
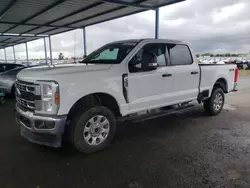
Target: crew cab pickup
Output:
[{"x": 121, "y": 79}]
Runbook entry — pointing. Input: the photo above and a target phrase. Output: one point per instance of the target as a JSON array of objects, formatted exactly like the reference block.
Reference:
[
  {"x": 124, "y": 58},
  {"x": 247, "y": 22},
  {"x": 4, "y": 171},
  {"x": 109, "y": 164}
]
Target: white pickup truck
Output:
[{"x": 119, "y": 80}]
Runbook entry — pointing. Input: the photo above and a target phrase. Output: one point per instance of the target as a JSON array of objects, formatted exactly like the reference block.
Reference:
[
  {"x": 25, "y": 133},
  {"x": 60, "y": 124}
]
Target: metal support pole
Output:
[
  {"x": 157, "y": 23},
  {"x": 27, "y": 54},
  {"x": 45, "y": 51},
  {"x": 84, "y": 42},
  {"x": 5, "y": 55},
  {"x": 14, "y": 53},
  {"x": 50, "y": 50}
]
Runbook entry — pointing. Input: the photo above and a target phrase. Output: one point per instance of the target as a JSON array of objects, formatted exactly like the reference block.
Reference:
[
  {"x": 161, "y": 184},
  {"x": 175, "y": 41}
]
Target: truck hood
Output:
[{"x": 51, "y": 72}]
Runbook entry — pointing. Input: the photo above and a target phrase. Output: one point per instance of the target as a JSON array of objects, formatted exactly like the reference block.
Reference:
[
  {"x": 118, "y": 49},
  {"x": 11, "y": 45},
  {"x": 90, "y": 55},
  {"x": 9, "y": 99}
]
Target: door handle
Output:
[
  {"x": 194, "y": 72},
  {"x": 166, "y": 75}
]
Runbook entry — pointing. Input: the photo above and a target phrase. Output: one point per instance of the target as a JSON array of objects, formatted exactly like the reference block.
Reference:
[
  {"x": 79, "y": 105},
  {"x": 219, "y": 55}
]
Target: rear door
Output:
[{"x": 185, "y": 73}]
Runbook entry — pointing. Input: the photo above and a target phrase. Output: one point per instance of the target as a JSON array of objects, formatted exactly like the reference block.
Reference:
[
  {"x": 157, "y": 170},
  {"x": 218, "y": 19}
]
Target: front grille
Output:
[
  {"x": 26, "y": 95},
  {"x": 26, "y": 104}
]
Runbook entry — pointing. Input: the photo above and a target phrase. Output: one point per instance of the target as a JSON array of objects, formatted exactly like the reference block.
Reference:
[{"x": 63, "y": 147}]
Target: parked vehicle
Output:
[
  {"x": 7, "y": 80},
  {"x": 8, "y": 66},
  {"x": 240, "y": 64},
  {"x": 27, "y": 64},
  {"x": 248, "y": 66},
  {"x": 125, "y": 79}
]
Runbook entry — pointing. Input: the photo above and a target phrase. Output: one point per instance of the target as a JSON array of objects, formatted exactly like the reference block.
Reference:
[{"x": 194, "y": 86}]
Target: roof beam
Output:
[
  {"x": 35, "y": 25},
  {"x": 37, "y": 14},
  {"x": 8, "y": 7},
  {"x": 170, "y": 2},
  {"x": 119, "y": 2},
  {"x": 18, "y": 36},
  {"x": 140, "y": 1},
  {"x": 70, "y": 14}
]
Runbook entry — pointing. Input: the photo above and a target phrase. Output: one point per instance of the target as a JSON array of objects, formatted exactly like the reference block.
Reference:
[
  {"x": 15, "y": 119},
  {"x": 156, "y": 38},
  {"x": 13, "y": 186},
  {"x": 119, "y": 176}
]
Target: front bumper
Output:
[{"x": 48, "y": 137}]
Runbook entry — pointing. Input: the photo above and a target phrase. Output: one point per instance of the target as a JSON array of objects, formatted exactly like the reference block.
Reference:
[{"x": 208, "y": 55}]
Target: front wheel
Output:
[
  {"x": 93, "y": 130},
  {"x": 215, "y": 103}
]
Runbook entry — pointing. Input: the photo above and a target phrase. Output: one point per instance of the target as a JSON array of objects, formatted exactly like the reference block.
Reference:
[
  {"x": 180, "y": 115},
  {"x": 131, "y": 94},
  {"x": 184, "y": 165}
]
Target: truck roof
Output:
[{"x": 151, "y": 40}]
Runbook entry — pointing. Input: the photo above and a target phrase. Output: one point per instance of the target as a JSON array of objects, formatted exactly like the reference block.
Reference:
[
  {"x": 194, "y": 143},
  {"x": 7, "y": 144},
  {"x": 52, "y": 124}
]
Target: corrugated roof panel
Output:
[
  {"x": 159, "y": 3},
  {"x": 29, "y": 39},
  {"x": 129, "y": 1},
  {"x": 87, "y": 13},
  {"x": 4, "y": 27},
  {"x": 56, "y": 31},
  {"x": 4, "y": 4},
  {"x": 23, "y": 9},
  {"x": 21, "y": 29},
  {"x": 40, "y": 30},
  {"x": 10, "y": 44},
  {"x": 52, "y": 10},
  {"x": 110, "y": 15},
  {"x": 61, "y": 10},
  {"x": 2, "y": 38},
  {"x": 15, "y": 39}
]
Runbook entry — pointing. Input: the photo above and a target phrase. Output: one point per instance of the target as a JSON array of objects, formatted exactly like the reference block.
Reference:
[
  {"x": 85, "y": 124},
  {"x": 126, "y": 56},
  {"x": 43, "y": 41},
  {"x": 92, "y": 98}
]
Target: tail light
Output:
[{"x": 236, "y": 75}]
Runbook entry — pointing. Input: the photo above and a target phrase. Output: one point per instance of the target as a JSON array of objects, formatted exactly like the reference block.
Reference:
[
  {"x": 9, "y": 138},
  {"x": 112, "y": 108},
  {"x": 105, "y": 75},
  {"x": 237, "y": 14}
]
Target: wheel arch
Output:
[
  {"x": 221, "y": 83},
  {"x": 94, "y": 99}
]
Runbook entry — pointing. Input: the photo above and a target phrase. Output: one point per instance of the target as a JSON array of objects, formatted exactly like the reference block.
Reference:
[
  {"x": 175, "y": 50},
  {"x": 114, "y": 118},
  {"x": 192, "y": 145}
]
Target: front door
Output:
[{"x": 146, "y": 87}]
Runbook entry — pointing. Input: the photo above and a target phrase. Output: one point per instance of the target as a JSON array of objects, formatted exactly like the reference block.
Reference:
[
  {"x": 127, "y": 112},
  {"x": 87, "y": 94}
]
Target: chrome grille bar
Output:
[{"x": 24, "y": 92}]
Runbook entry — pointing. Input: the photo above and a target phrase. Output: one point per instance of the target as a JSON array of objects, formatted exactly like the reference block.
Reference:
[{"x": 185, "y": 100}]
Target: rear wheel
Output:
[
  {"x": 215, "y": 103},
  {"x": 93, "y": 130}
]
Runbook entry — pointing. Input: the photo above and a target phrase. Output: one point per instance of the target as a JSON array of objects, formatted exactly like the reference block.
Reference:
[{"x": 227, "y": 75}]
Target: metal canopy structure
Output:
[{"x": 33, "y": 19}]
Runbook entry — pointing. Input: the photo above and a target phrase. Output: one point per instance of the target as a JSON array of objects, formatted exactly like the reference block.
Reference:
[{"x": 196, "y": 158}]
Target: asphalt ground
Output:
[{"x": 188, "y": 149}]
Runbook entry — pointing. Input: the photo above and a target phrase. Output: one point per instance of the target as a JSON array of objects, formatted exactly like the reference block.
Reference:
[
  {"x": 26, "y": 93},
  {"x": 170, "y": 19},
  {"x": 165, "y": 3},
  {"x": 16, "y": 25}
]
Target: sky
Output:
[{"x": 216, "y": 26}]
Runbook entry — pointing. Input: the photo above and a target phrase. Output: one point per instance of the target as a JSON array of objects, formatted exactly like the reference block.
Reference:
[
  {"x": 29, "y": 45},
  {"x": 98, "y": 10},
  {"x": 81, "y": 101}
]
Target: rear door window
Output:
[{"x": 179, "y": 54}]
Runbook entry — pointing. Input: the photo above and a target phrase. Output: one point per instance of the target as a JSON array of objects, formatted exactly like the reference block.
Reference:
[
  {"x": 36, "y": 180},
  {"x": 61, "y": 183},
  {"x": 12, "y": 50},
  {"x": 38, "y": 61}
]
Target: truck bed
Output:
[{"x": 210, "y": 73}]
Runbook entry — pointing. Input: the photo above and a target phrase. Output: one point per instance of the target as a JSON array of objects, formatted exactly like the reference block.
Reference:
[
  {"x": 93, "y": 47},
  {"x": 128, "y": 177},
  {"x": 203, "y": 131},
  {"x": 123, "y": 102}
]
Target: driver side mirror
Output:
[{"x": 152, "y": 66}]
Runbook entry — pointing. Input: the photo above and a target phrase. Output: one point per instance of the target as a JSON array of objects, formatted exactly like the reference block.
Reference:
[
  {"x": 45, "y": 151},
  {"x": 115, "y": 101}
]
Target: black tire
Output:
[
  {"x": 209, "y": 106},
  {"x": 209, "y": 103},
  {"x": 78, "y": 123},
  {"x": 2, "y": 101},
  {"x": 13, "y": 92}
]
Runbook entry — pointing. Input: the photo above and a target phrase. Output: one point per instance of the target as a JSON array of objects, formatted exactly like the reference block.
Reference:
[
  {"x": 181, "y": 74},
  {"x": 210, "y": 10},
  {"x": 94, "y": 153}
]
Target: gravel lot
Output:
[{"x": 186, "y": 149}]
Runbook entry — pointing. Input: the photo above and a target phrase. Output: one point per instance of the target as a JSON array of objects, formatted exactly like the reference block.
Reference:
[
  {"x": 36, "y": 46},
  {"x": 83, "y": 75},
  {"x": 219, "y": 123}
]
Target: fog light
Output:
[{"x": 44, "y": 124}]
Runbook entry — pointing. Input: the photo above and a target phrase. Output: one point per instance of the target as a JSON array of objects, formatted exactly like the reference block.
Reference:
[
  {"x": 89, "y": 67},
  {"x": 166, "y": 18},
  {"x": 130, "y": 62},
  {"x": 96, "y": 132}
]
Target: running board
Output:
[{"x": 155, "y": 113}]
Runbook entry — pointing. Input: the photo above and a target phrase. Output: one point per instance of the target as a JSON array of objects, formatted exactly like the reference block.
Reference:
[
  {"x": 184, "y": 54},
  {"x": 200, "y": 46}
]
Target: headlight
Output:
[{"x": 49, "y": 97}]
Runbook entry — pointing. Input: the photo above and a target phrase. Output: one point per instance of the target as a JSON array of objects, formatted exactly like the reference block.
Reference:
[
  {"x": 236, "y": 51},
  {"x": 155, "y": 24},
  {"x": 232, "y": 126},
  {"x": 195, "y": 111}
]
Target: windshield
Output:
[{"x": 110, "y": 54}]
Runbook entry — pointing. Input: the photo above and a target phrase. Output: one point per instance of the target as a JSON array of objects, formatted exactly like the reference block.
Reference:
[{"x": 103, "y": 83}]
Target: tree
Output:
[
  {"x": 197, "y": 55},
  {"x": 60, "y": 56}
]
